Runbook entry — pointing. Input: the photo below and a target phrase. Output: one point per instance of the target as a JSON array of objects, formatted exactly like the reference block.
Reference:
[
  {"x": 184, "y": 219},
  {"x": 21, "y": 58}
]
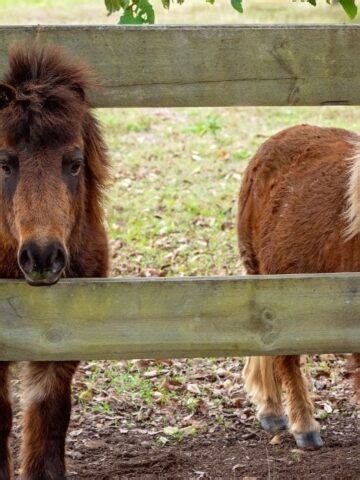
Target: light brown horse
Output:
[
  {"x": 299, "y": 212},
  {"x": 53, "y": 168}
]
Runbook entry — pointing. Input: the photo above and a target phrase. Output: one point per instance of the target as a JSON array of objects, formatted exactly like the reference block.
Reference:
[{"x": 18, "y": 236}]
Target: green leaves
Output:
[
  {"x": 129, "y": 17},
  {"x": 237, "y": 4},
  {"x": 350, "y": 7},
  {"x": 115, "y": 5},
  {"x": 138, "y": 12},
  {"x": 134, "y": 12}
]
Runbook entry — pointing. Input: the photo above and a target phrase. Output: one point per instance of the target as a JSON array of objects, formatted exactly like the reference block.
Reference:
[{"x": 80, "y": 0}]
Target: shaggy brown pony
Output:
[
  {"x": 53, "y": 167},
  {"x": 299, "y": 212}
]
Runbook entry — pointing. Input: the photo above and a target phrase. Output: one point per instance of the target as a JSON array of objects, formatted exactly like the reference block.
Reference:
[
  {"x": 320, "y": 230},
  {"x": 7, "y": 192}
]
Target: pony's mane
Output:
[
  {"x": 46, "y": 95},
  {"x": 352, "y": 213}
]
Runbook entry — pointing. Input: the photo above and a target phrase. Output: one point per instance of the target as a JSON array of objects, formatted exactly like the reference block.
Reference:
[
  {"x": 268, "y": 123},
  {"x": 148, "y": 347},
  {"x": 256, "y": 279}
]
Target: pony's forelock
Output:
[{"x": 47, "y": 95}]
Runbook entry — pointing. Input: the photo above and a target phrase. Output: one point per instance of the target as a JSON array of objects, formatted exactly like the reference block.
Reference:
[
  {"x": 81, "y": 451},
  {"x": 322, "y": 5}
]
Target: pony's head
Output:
[{"x": 51, "y": 158}]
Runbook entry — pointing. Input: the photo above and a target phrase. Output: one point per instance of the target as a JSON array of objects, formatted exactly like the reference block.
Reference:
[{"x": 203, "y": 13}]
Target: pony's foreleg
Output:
[
  {"x": 5, "y": 422},
  {"x": 264, "y": 389},
  {"x": 300, "y": 408},
  {"x": 47, "y": 397}
]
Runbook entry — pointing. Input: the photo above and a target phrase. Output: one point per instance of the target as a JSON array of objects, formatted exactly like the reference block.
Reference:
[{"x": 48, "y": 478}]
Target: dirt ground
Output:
[
  {"x": 190, "y": 419},
  {"x": 244, "y": 452}
]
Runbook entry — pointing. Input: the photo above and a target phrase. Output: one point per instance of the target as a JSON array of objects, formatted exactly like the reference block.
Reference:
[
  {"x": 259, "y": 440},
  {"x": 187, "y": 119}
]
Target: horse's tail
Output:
[{"x": 261, "y": 384}]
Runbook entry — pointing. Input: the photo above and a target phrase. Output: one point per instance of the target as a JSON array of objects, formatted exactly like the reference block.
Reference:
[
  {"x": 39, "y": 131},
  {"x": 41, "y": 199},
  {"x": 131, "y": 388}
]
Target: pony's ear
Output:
[{"x": 7, "y": 94}]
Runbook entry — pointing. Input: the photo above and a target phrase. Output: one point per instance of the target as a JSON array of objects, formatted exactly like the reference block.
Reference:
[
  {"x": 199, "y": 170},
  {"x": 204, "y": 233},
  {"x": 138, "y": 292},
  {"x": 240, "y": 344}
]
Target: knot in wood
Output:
[{"x": 55, "y": 335}]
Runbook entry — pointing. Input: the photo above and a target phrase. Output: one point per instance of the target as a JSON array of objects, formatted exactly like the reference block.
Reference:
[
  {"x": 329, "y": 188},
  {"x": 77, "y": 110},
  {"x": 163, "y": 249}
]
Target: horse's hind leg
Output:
[
  {"x": 5, "y": 422},
  {"x": 47, "y": 396},
  {"x": 264, "y": 389},
  {"x": 300, "y": 408}
]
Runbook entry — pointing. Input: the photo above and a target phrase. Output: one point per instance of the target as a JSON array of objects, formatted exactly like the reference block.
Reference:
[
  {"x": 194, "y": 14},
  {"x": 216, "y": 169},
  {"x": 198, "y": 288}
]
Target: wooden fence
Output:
[
  {"x": 197, "y": 66},
  {"x": 134, "y": 318},
  {"x": 190, "y": 317}
]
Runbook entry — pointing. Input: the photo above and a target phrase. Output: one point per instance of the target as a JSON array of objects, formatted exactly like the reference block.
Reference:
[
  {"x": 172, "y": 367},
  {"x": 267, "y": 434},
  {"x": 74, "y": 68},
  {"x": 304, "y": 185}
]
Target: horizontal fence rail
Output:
[
  {"x": 189, "y": 317},
  {"x": 174, "y": 66}
]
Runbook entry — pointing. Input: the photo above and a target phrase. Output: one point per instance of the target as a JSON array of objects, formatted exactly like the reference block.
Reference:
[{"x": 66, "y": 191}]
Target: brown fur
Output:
[
  {"x": 5, "y": 422},
  {"x": 263, "y": 386},
  {"x": 299, "y": 212},
  {"x": 44, "y": 115}
]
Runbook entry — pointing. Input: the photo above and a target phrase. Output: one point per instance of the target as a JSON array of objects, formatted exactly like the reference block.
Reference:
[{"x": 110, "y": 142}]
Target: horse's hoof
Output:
[
  {"x": 274, "y": 423},
  {"x": 309, "y": 440}
]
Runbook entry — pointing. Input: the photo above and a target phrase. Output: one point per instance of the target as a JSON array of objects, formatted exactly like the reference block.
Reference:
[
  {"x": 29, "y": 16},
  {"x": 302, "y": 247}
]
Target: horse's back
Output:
[{"x": 292, "y": 202}]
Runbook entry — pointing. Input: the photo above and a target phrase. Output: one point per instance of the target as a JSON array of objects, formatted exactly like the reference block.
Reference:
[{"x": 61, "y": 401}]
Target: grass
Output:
[{"x": 171, "y": 207}]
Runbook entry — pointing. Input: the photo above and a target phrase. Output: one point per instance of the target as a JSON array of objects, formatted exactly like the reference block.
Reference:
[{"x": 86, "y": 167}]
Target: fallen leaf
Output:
[
  {"x": 95, "y": 444},
  {"x": 276, "y": 440},
  {"x": 193, "y": 388},
  {"x": 190, "y": 430},
  {"x": 171, "y": 430}
]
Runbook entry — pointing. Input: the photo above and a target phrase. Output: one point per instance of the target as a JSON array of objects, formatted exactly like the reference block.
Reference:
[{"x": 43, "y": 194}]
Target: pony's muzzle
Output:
[{"x": 42, "y": 265}]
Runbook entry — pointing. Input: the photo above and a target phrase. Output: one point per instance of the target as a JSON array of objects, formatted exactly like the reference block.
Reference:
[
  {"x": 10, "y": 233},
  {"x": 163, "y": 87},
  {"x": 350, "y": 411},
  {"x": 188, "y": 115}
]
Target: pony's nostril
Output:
[
  {"x": 26, "y": 260},
  {"x": 58, "y": 259}
]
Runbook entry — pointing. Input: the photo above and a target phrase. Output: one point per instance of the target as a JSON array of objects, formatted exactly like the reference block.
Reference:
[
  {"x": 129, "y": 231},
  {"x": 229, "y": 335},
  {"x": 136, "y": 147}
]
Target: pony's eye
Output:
[
  {"x": 75, "y": 168},
  {"x": 6, "y": 169}
]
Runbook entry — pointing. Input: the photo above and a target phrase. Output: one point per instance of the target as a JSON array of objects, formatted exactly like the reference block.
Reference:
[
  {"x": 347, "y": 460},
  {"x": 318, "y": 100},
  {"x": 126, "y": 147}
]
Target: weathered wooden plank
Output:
[
  {"x": 167, "y": 66},
  {"x": 134, "y": 318}
]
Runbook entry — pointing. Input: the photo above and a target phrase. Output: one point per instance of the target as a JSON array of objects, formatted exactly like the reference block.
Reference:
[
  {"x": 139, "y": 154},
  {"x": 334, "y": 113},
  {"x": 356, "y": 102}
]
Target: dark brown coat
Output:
[{"x": 53, "y": 169}]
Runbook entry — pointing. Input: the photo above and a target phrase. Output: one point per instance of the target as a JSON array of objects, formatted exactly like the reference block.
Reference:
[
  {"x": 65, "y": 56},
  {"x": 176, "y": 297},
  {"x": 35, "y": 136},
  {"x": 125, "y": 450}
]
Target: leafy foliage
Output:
[
  {"x": 237, "y": 4},
  {"x": 350, "y": 7},
  {"x": 137, "y": 12},
  {"x": 134, "y": 12}
]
